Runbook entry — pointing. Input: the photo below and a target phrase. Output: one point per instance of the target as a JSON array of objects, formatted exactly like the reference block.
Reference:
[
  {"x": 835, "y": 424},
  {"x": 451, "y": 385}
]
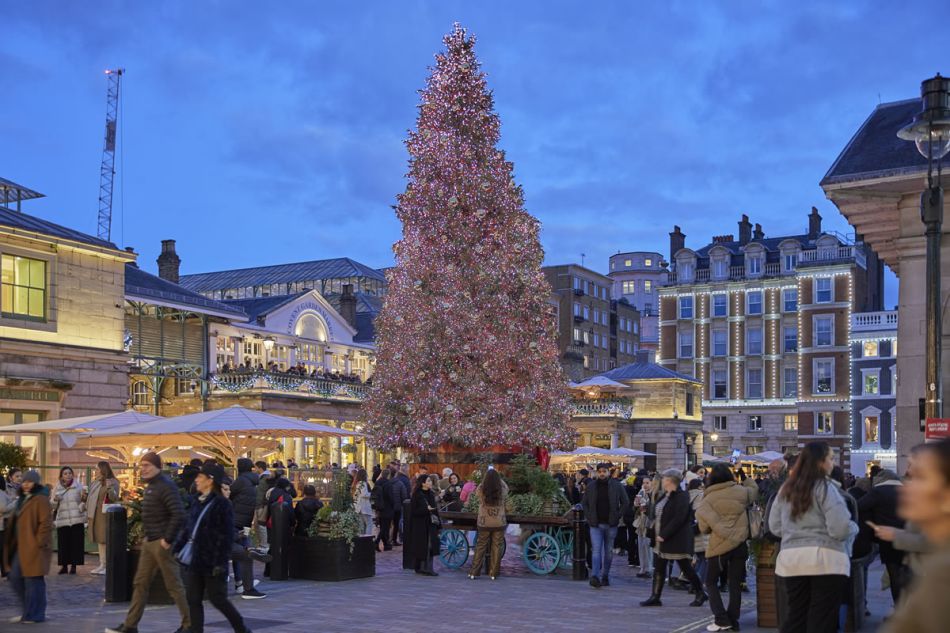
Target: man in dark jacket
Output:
[
  {"x": 306, "y": 510},
  {"x": 879, "y": 507},
  {"x": 244, "y": 493},
  {"x": 604, "y": 502},
  {"x": 400, "y": 492},
  {"x": 162, "y": 517}
]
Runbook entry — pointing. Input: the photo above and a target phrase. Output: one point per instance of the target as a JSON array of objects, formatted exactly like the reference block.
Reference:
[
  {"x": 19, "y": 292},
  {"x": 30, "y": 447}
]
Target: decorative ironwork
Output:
[{"x": 330, "y": 389}]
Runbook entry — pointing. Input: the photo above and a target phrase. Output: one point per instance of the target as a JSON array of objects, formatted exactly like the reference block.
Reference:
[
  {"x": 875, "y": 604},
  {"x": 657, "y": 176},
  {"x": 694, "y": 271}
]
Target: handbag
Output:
[
  {"x": 436, "y": 521},
  {"x": 754, "y": 515},
  {"x": 186, "y": 553}
]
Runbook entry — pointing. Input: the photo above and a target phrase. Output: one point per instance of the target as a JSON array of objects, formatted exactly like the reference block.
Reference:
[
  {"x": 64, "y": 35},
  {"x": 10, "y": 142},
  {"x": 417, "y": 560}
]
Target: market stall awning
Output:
[
  {"x": 599, "y": 382},
  {"x": 706, "y": 457},
  {"x": 85, "y": 424},
  {"x": 233, "y": 431},
  {"x": 766, "y": 456},
  {"x": 585, "y": 454}
]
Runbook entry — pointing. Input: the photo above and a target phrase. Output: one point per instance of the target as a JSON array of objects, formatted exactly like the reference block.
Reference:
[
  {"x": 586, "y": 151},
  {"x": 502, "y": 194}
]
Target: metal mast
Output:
[{"x": 107, "y": 170}]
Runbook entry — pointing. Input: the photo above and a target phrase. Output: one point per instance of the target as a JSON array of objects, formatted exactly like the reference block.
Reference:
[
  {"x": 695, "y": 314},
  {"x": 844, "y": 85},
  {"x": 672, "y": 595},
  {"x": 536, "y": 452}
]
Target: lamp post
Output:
[{"x": 930, "y": 131}]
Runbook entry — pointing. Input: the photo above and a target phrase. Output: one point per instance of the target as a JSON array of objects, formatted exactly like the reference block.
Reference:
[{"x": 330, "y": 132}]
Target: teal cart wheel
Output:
[
  {"x": 453, "y": 548},
  {"x": 541, "y": 553},
  {"x": 565, "y": 539}
]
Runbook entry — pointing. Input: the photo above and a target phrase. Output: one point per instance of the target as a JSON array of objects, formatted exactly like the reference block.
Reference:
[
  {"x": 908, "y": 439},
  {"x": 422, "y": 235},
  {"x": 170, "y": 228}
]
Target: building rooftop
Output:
[
  {"x": 258, "y": 307},
  {"x": 875, "y": 151},
  {"x": 149, "y": 288},
  {"x": 11, "y": 192},
  {"x": 646, "y": 371},
  {"x": 337, "y": 268},
  {"x": 24, "y": 222}
]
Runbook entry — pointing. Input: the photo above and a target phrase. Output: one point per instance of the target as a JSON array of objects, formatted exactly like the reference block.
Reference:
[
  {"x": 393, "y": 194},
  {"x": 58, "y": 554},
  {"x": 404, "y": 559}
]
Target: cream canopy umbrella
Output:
[
  {"x": 84, "y": 424},
  {"x": 586, "y": 454},
  {"x": 233, "y": 431}
]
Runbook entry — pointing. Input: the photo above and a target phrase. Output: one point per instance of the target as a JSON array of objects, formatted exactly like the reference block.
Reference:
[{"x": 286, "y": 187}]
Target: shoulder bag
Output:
[{"x": 186, "y": 553}]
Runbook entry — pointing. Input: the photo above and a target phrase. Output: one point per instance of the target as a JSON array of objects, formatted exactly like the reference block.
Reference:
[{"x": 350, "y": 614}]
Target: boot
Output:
[
  {"x": 654, "y": 599},
  {"x": 701, "y": 597}
]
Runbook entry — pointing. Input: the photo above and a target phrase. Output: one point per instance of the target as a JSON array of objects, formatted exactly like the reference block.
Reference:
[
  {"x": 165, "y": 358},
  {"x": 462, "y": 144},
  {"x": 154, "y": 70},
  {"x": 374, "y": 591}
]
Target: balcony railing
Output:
[
  {"x": 604, "y": 407},
  {"x": 290, "y": 383},
  {"x": 865, "y": 321},
  {"x": 830, "y": 255}
]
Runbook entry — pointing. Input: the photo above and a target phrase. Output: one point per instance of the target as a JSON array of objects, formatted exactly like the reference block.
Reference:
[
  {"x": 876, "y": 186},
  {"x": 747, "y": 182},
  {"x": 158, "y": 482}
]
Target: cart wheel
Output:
[
  {"x": 565, "y": 539},
  {"x": 453, "y": 548},
  {"x": 541, "y": 553}
]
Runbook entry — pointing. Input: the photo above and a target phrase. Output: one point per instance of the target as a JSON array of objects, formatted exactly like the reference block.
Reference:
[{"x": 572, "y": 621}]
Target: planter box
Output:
[
  {"x": 765, "y": 591},
  {"x": 157, "y": 594},
  {"x": 318, "y": 558}
]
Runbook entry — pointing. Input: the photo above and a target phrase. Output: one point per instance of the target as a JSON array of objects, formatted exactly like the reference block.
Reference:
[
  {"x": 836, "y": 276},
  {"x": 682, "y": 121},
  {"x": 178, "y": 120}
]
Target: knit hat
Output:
[
  {"x": 152, "y": 458},
  {"x": 31, "y": 475}
]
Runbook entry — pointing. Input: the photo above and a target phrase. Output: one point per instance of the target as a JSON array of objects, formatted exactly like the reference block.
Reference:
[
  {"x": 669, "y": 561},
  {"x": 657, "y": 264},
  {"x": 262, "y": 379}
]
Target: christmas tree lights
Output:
[{"x": 466, "y": 344}]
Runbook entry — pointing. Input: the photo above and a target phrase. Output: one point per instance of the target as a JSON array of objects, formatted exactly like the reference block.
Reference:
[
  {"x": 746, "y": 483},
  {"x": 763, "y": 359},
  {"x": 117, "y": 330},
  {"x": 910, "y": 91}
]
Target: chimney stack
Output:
[
  {"x": 348, "y": 304},
  {"x": 677, "y": 242},
  {"x": 757, "y": 233},
  {"x": 168, "y": 262},
  {"x": 814, "y": 223},
  {"x": 745, "y": 230}
]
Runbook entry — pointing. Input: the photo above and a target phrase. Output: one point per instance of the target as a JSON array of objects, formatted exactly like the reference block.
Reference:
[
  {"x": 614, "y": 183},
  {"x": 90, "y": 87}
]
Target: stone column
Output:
[
  {"x": 238, "y": 344},
  {"x": 615, "y": 440},
  {"x": 213, "y": 353},
  {"x": 292, "y": 355},
  {"x": 346, "y": 362},
  {"x": 327, "y": 359},
  {"x": 299, "y": 452}
]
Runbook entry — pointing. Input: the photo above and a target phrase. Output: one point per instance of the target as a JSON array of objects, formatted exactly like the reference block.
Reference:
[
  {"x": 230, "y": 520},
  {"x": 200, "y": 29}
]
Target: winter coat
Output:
[
  {"x": 68, "y": 505},
  {"x": 827, "y": 523},
  {"x": 399, "y": 492},
  {"x": 304, "y": 513},
  {"x": 162, "y": 510},
  {"x": 723, "y": 515},
  {"x": 880, "y": 506},
  {"x": 924, "y": 607},
  {"x": 244, "y": 498},
  {"x": 700, "y": 540},
  {"x": 616, "y": 499},
  {"x": 100, "y": 494},
  {"x": 676, "y": 524},
  {"x": 423, "y": 535},
  {"x": 361, "y": 499},
  {"x": 492, "y": 517},
  {"x": 382, "y": 498},
  {"x": 643, "y": 503},
  {"x": 211, "y": 549},
  {"x": 30, "y": 534},
  {"x": 452, "y": 498},
  {"x": 7, "y": 506}
]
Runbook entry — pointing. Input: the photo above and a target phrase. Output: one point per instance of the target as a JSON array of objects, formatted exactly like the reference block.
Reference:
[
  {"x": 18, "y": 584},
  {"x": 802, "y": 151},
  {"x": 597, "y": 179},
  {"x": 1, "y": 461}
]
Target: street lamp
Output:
[
  {"x": 269, "y": 343},
  {"x": 714, "y": 437},
  {"x": 930, "y": 131}
]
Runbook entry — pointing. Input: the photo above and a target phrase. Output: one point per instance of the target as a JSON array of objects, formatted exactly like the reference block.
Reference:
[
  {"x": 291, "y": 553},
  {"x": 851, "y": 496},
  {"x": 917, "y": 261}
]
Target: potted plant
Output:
[{"x": 334, "y": 548}]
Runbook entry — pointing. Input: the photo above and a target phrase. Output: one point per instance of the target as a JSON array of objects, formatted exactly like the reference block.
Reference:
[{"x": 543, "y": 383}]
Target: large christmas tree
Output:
[{"x": 466, "y": 350}]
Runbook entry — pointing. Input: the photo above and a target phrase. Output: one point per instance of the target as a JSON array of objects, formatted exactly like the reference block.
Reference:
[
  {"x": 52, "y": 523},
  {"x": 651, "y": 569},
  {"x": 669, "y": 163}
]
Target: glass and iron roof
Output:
[{"x": 341, "y": 267}]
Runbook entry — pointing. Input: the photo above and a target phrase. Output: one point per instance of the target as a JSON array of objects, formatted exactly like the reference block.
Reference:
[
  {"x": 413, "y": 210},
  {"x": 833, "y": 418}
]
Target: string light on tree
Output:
[{"x": 467, "y": 352}]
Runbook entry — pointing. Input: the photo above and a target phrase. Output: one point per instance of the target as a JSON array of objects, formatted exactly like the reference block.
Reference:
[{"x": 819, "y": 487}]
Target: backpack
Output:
[{"x": 376, "y": 500}]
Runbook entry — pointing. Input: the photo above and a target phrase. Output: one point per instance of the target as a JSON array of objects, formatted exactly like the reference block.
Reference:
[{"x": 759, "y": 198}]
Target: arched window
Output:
[
  {"x": 140, "y": 393},
  {"x": 309, "y": 326}
]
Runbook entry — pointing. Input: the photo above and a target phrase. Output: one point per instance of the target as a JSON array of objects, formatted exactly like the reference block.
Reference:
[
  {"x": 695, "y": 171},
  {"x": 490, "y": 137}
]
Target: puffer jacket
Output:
[
  {"x": 244, "y": 498},
  {"x": 211, "y": 549},
  {"x": 162, "y": 509},
  {"x": 68, "y": 506},
  {"x": 723, "y": 515}
]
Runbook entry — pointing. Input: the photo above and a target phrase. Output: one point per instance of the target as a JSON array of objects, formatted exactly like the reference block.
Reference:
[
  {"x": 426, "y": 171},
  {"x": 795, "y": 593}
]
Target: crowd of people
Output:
[
  {"x": 299, "y": 370},
  {"x": 203, "y": 527}
]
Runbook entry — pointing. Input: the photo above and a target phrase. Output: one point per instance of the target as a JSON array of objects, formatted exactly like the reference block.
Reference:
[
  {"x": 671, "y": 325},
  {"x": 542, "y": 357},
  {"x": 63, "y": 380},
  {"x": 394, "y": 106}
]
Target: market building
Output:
[
  {"x": 62, "y": 351},
  {"x": 764, "y": 324},
  {"x": 644, "y": 406},
  {"x": 874, "y": 397},
  {"x": 595, "y": 332},
  {"x": 636, "y": 277},
  {"x": 876, "y": 182}
]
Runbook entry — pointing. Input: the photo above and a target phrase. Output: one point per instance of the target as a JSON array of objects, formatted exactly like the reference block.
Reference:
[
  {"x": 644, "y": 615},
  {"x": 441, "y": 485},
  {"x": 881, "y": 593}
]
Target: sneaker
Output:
[
  {"x": 261, "y": 557},
  {"x": 122, "y": 628},
  {"x": 595, "y": 582},
  {"x": 15, "y": 619},
  {"x": 238, "y": 586},
  {"x": 719, "y": 627},
  {"x": 253, "y": 594},
  {"x": 605, "y": 582},
  {"x": 98, "y": 571}
]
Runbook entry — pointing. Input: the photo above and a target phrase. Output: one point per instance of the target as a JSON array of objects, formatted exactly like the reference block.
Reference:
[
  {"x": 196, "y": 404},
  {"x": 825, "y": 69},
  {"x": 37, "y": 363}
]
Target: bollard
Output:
[
  {"x": 408, "y": 561},
  {"x": 579, "y": 558},
  {"x": 117, "y": 556},
  {"x": 280, "y": 541}
]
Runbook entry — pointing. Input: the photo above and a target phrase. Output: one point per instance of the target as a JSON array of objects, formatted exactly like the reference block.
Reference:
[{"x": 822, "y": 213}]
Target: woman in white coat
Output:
[{"x": 69, "y": 517}]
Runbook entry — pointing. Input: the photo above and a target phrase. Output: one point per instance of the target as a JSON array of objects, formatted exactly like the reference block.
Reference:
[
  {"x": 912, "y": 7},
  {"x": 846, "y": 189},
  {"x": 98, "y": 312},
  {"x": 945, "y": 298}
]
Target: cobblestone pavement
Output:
[{"x": 400, "y": 601}]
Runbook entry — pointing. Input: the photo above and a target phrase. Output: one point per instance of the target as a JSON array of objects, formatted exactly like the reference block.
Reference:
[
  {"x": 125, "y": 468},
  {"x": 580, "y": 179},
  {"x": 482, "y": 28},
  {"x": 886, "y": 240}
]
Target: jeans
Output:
[
  {"x": 385, "y": 526},
  {"x": 812, "y": 603},
  {"x": 367, "y": 521},
  {"x": 217, "y": 588},
  {"x": 646, "y": 554},
  {"x": 700, "y": 565},
  {"x": 734, "y": 561},
  {"x": 30, "y": 590},
  {"x": 601, "y": 543}
]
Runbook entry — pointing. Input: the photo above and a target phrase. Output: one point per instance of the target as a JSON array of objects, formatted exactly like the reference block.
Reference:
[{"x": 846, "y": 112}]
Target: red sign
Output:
[{"x": 937, "y": 428}]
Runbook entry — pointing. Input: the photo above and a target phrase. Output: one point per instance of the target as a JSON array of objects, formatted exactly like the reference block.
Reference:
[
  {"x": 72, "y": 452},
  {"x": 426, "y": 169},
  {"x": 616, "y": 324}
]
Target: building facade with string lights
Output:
[
  {"x": 637, "y": 276},
  {"x": 765, "y": 325},
  {"x": 874, "y": 397}
]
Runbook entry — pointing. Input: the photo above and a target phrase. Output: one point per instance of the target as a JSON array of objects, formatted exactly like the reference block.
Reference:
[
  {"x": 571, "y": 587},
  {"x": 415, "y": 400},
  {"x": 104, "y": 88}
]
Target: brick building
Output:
[{"x": 764, "y": 323}]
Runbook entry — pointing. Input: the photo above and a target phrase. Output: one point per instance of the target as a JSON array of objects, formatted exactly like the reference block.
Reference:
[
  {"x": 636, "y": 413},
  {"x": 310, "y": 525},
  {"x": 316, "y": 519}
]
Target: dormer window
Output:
[
  {"x": 686, "y": 271},
  {"x": 754, "y": 265},
  {"x": 648, "y": 262},
  {"x": 720, "y": 269}
]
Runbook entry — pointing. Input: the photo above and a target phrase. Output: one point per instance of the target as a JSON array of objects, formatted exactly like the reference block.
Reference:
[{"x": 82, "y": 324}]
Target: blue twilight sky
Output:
[{"x": 259, "y": 133}]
